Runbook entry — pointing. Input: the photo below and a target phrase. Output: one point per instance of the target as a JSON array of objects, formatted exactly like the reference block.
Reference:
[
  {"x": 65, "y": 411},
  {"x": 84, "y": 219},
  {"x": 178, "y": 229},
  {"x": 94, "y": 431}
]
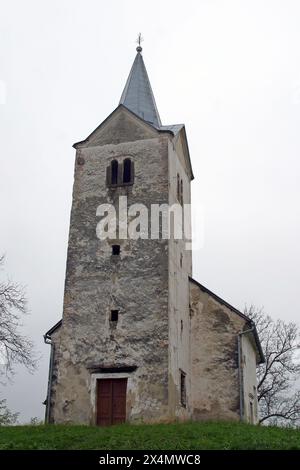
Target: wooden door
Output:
[{"x": 111, "y": 401}]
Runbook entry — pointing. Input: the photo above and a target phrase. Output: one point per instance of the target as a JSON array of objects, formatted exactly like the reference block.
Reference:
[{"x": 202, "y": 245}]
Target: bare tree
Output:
[
  {"x": 278, "y": 396},
  {"x": 14, "y": 347}
]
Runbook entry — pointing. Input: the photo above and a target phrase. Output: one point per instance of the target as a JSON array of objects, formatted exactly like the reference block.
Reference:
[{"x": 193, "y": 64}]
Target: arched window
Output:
[
  {"x": 127, "y": 171},
  {"x": 120, "y": 173},
  {"x": 114, "y": 172}
]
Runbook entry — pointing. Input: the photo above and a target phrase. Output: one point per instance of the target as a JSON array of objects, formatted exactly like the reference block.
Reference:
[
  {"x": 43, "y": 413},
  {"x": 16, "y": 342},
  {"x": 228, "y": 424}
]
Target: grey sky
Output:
[{"x": 230, "y": 70}]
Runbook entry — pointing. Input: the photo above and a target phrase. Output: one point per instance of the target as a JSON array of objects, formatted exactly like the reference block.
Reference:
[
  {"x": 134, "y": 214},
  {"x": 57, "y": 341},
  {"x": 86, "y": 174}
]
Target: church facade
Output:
[{"x": 140, "y": 340}]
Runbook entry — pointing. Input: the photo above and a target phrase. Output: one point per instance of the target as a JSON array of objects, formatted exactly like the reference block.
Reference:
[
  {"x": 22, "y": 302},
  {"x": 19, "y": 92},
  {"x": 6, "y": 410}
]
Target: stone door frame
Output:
[{"x": 93, "y": 388}]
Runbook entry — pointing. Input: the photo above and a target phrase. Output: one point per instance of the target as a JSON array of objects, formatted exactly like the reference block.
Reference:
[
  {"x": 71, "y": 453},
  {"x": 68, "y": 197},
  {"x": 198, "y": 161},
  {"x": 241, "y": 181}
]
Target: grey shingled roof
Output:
[
  {"x": 137, "y": 95},
  {"x": 175, "y": 128}
]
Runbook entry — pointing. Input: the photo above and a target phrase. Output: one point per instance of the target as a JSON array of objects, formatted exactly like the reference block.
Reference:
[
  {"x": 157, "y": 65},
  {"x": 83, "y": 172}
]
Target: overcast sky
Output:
[{"x": 230, "y": 70}]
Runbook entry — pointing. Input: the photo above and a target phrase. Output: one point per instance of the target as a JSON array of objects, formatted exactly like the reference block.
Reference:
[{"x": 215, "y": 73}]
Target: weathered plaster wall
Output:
[
  {"x": 136, "y": 283},
  {"x": 248, "y": 366},
  {"x": 180, "y": 267},
  {"x": 214, "y": 355}
]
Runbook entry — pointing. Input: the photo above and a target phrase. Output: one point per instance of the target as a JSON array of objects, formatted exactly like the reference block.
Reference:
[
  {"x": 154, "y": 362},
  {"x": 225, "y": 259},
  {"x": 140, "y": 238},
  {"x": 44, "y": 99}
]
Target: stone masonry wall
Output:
[
  {"x": 215, "y": 378},
  {"x": 180, "y": 268},
  {"x": 248, "y": 362},
  {"x": 136, "y": 283}
]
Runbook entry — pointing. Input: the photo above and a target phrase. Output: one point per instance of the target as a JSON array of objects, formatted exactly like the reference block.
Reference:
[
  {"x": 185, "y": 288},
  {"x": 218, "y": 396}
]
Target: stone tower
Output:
[
  {"x": 122, "y": 350},
  {"x": 140, "y": 340}
]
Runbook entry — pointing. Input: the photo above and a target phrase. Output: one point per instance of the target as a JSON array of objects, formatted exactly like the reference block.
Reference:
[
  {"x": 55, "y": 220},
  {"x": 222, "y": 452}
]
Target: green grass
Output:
[{"x": 160, "y": 436}]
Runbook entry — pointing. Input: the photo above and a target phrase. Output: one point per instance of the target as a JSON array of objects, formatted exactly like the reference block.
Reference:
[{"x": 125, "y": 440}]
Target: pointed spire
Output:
[{"x": 137, "y": 95}]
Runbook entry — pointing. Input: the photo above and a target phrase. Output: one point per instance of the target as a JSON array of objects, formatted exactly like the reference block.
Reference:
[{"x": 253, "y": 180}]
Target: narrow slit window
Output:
[
  {"x": 181, "y": 192},
  {"x": 114, "y": 315},
  {"x": 251, "y": 413},
  {"x": 182, "y": 389},
  {"x": 116, "y": 250},
  {"x": 178, "y": 187},
  {"x": 127, "y": 171},
  {"x": 114, "y": 172}
]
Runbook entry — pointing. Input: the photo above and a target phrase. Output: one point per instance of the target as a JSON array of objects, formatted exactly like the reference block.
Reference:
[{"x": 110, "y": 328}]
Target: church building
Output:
[{"x": 140, "y": 340}]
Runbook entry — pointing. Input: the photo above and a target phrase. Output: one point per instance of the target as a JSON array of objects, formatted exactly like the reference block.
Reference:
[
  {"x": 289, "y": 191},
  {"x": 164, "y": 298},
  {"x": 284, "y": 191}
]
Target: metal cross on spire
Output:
[{"x": 139, "y": 41}]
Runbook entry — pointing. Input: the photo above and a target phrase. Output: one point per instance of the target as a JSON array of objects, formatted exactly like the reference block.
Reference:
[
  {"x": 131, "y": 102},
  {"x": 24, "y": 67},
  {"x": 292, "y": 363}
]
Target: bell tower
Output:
[{"x": 122, "y": 349}]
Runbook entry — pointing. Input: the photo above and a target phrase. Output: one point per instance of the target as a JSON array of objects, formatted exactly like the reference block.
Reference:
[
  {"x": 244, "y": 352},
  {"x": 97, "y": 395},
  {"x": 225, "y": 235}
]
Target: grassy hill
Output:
[{"x": 196, "y": 436}]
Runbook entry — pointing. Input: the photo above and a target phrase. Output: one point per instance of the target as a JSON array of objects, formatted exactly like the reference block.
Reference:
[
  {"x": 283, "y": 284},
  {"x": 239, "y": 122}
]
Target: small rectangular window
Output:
[
  {"x": 116, "y": 250},
  {"x": 114, "y": 315},
  {"x": 182, "y": 389}
]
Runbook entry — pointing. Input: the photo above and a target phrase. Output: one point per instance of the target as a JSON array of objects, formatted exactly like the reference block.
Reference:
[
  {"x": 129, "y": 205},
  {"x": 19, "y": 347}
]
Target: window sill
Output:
[{"x": 114, "y": 186}]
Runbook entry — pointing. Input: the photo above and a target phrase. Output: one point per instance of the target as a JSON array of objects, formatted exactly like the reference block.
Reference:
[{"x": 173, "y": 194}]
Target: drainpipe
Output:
[
  {"x": 47, "y": 340},
  {"x": 241, "y": 377}
]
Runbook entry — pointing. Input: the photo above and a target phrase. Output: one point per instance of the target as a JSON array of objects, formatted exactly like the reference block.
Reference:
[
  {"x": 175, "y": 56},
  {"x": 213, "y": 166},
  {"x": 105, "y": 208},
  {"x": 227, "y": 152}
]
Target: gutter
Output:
[
  {"x": 241, "y": 377},
  {"x": 47, "y": 340}
]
